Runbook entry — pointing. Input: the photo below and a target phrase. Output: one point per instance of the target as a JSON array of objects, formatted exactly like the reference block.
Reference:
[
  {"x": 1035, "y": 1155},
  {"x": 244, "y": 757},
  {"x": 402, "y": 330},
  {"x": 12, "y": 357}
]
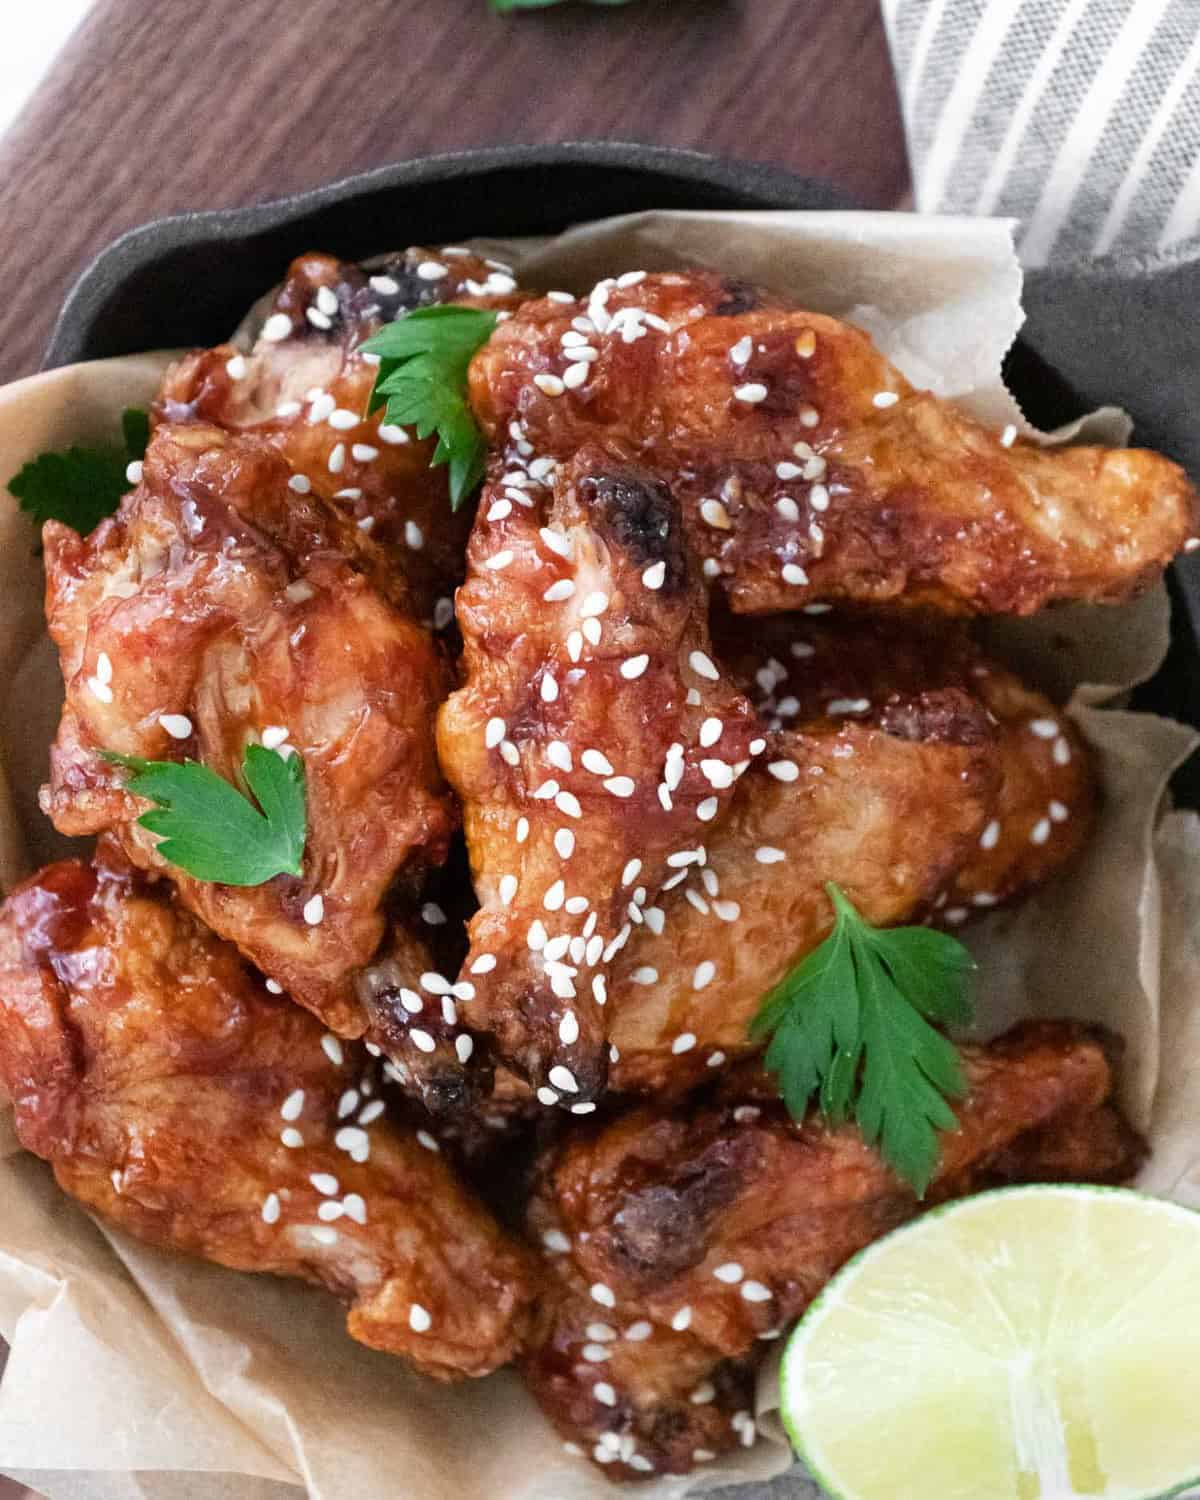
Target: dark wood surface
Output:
[
  {"x": 156, "y": 106},
  {"x": 161, "y": 105}
]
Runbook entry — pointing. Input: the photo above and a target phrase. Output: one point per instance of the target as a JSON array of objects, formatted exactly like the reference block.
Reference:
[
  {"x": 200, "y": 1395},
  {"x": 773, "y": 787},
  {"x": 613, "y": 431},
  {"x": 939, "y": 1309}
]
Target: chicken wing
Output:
[
  {"x": 594, "y": 745},
  {"x": 885, "y": 796},
  {"x": 221, "y": 607},
  {"x": 681, "y": 1243},
  {"x": 809, "y": 469},
  {"x": 177, "y": 1098},
  {"x": 304, "y": 389}
]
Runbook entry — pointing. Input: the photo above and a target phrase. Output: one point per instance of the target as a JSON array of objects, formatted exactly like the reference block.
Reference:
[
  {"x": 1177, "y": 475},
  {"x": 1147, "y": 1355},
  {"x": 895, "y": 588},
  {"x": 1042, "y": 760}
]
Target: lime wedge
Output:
[{"x": 1036, "y": 1343}]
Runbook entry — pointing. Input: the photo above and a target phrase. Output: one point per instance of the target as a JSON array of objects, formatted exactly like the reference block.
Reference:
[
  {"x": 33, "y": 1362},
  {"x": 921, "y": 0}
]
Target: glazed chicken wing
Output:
[
  {"x": 682, "y": 1243},
  {"x": 594, "y": 746},
  {"x": 304, "y": 389},
  {"x": 221, "y": 607},
  {"x": 809, "y": 469},
  {"x": 179, "y": 1099}
]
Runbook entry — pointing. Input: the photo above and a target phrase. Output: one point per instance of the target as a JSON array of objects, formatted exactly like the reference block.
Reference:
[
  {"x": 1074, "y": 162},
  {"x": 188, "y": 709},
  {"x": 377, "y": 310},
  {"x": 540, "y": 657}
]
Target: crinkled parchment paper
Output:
[{"x": 140, "y": 1376}]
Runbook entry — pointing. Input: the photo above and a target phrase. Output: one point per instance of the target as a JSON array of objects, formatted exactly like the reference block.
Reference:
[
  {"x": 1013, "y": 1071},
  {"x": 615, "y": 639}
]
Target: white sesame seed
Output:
[
  {"x": 784, "y": 770},
  {"x": 291, "y": 1138},
  {"x": 554, "y": 898},
  {"x": 558, "y": 753},
  {"x": 508, "y": 889},
  {"x": 434, "y": 983},
  {"x": 347, "y": 1104},
  {"x": 327, "y": 301},
  {"x": 591, "y": 630},
  {"x": 342, "y": 420},
  {"x": 740, "y": 352},
  {"x": 655, "y": 575},
  {"x": 270, "y": 1208},
  {"x": 364, "y": 453},
  {"x": 818, "y": 497},
  {"x": 522, "y": 830},
  {"x": 546, "y": 790},
  {"x": 703, "y": 975},
  {"x": 1040, "y": 831},
  {"x": 717, "y": 773},
  {"x": 593, "y": 604},
  {"x": 422, "y": 1040},
  {"x": 682, "y": 1320},
  {"x": 549, "y": 385},
  {"x": 509, "y": 753},
  {"x": 555, "y": 541},
  {"x": 1062, "y": 751},
  {"x": 499, "y": 510},
  {"x": 809, "y": 416},
  {"x": 324, "y": 1183},
  {"x": 602, "y": 1294},
  {"x": 1008, "y": 437},
  {"x": 494, "y": 732},
  {"x": 884, "y": 399},
  {"x": 990, "y": 836},
  {"x": 549, "y": 689},
  {"x": 314, "y": 910},
  {"x": 277, "y": 327},
  {"x": 563, "y": 589},
  {"x": 178, "y": 726},
  {"x": 730, "y": 1273},
  {"x": 839, "y": 706},
  {"x": 983, "y": 898},
  {"x": 353, "y": 1141},
  {"x": 464, "y": 1046},
  {"x": 703, "y": 1394},
  {"x": 287, "y": 409},
  {"x": 274, "y": 735},
  {"x": 766, "y": 855},
  {"x": 321, "y": 404},
  {"x": 595, "y": 1354},
  {"x": 390, "y": 433},
  {"x": 568, "y": 1029},
  {"x": 484, "y": 964},
  {"x": 418, "y": 1319},
  {"x": 536, "y": 936},
  {"x": 604, "y": 1393},
  {"x": 499, "y": 560},
  {"x": 337, "y": 459},
  {"x": 751, "y": 393},
  {"x": 956, "y": 914},
  {"x": 431, "y": 270},
  {"x": 1045, "y": 729},
  {"x": 714, "y": 514},
  {"x": 293, "y": 1105},
  {"x": 332, "y": 1049},
  {"x": 1059, "y": 811},
  {"x": 318, "y": 319},
  {"x": 575, "y": 374},
  {"x": 794, "y": 574},
  {"x": 755, "y": 1291},
  {"x": 703, "y": 666},
  {"x": 547, "y": 1097},
  {"x": 556, "y": 1242},
  {"x": 707, "y": 810},
  {"x": 354, "y": 1207},
  {"x": 683, "y": 1043},
  {"x": 568, "y": 803},
  {"x": 564, "y": 1080}
]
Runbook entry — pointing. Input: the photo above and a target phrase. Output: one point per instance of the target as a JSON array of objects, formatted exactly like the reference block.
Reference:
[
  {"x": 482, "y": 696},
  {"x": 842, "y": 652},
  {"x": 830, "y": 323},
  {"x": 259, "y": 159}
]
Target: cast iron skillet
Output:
[{"x": 1118, "y": 331}]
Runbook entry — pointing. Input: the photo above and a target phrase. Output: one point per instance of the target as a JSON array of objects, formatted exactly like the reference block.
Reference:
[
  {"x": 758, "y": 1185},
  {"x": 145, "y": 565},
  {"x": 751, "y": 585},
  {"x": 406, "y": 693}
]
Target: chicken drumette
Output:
[
  {"x": 304, "y": 389},
  {"x": 594, "y": 746},
  {"x": 809, "y": 469},
  {"x": 176, "y": 1097},
  {"x": 681, "y": 1243},
  {"x": 221, "y": 607}
]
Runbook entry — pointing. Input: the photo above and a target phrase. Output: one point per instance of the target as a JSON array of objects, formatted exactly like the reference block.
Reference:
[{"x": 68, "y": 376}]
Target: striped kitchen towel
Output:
[{"x": 1079, "y": 118}]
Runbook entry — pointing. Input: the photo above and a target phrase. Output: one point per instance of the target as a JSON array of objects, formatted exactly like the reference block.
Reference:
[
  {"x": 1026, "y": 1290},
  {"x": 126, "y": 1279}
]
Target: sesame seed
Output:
[
  {"x": 703, "y": 975},
  {"x": 287, "y": 409},
  {"x": 595, "y": 947},
  {"x": 347, "y": 1104},
  {"x": 595, "y": 1354},
  {"x": 604, "y": 1393},
  {"x": 342, "y": 420},
  {"x": 603, "y": 1295},
  {"x": 682, "y": 1320},
  {"x": 324, "y": 1183},
  {"x": 644, "y": 975},
  {"x": 178, "y": 726},
  {"x": 273, "y": 736},
  {"x": 494, "y": 732},
  {"x": 499, "y": 510},
  {"x": 784, "y": 770},
  {"x": 594, "y": 604},
  {"x": 555, "y": 541},
  {"x": 270, "y": 1208},
  {"x": 1045, "y": 729},
  {"x": 431, "y": 270},
  {"x": 990, "y": 836},
  {"x": 1040, "y": 831},
  {"x": 546, "y": 790},
  {"x": 755, "y": 1291},
  {"x": 509, "y": 753},
  {"x": 794, "y": 574},
  {"x": 274, "y": 987},
  {"x": 1008, "y": 437},
  {"x": 337, "y": 459},
  {"x": 1058, "y": 811},
  {"x": 354, "y": 1142},
  {"x": 499, "y": 560},
  {"x": 563, "y": 589},
  {"x": 418, "y": 1319},
  {"x": 742, "y": 350},
  {"x": 464, "y": 1046},
  {"x": 568, "y": 1029},
  {"x": 327, "y": 301},
  {"x": 508, "y": 889},
  {"x": 591, "y": 631},
  {"x": 703, "y": 666},
  {"x": 291, "y": 1138},
  {"x": 318, "y": 319},
  {"x": 322, "y": 403},
  {"x": 707, "y": 810},
  {"x": 655, "y": 575},
  {"x": 713, "y": 513},
  {"x": 564, "y": 1080},
  {"x": 364, "y": 453},
  {"x": 766, "y": 855},
  {"x": 568, "y": 803},
  {"x": 549, "y": 689},
  {"x": 435, "y": 983},
  {"x": 555, "y": 896},
  {"x": 522, "y": 834},
  {"x": 983, "y": 898},
  {"x": 390, "y": 433},
  {"x": 332, "y": 1049},
  {"x": 300, "y": 483},
  {"x": 730, "y": 1273},
  {"x": 293, "y": 1105},
  {"x": 547, "y": 1097},
  {"x": 956, "y": 914},
  {"x": 277, "y": 327},
  {"x": 703, "y": 1394},
  {"x": 558, "y": 753},
  {"x": 314, "y": 910},
  {"x": 683, "y": 1043},
  {"x": 839, "y": 706},
  {"x": 549, "y": 385},
  {"x": 484, "y": 964},
  {"x": 556, "y": 1242},
  {"x": 414, "y": 537},
  {"x": 575, "y": 374},
  {"x": 818, "y": 497},
  {"x": 422, "y": 1040},
  {"x": 809, "y": 416},
  {"x": 564, "y": 843},
  {"x": 751, "y": 393},
  {"x": 883, "y": 399},
  {"x": 354, "y": 1207},
  {"x": 1061, "y": 752}
]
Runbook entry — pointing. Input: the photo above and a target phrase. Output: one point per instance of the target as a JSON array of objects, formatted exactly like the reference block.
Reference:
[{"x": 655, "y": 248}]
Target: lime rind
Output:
[{"x": 794, "y": 1402}]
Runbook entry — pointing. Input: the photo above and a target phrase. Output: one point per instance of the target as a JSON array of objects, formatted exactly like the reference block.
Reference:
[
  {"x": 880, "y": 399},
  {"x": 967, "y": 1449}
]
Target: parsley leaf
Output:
[
  {"x": 850, "y": 1025},
  {"x": 80, "y": 486},
  {"x": 422, "y": 379},
  {"x": 208, "y": 828}
]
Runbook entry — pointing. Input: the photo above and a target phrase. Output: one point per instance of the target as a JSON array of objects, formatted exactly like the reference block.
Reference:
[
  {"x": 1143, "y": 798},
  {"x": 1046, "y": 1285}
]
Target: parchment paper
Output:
[{"x": 141, "y": 1376}]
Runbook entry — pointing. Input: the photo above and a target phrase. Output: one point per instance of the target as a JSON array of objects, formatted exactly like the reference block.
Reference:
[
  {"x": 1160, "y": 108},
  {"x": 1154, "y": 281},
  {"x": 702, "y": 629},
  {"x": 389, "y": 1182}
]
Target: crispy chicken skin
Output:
[
  {"x": 218, "y": 605},
  {"x": 681, "y": 1242},
  {"x": 304, "y": 389},
  {"x": 809, "y": 469},
  {"x": 594, "y": 744},
  {"x": 797, "y": 669},
  {"x": 887, "y": 807},
  {"x": 178, "y": 1099}
]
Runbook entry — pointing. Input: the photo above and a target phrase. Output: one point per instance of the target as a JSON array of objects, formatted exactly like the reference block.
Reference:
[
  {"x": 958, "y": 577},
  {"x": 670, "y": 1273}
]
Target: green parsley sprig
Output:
[
  {"x": 422, "y": 380},
  {"x": 208, "y": 828},
  {"x": 80, "y": 486},
  {"x": 850, "y": 1027}
]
